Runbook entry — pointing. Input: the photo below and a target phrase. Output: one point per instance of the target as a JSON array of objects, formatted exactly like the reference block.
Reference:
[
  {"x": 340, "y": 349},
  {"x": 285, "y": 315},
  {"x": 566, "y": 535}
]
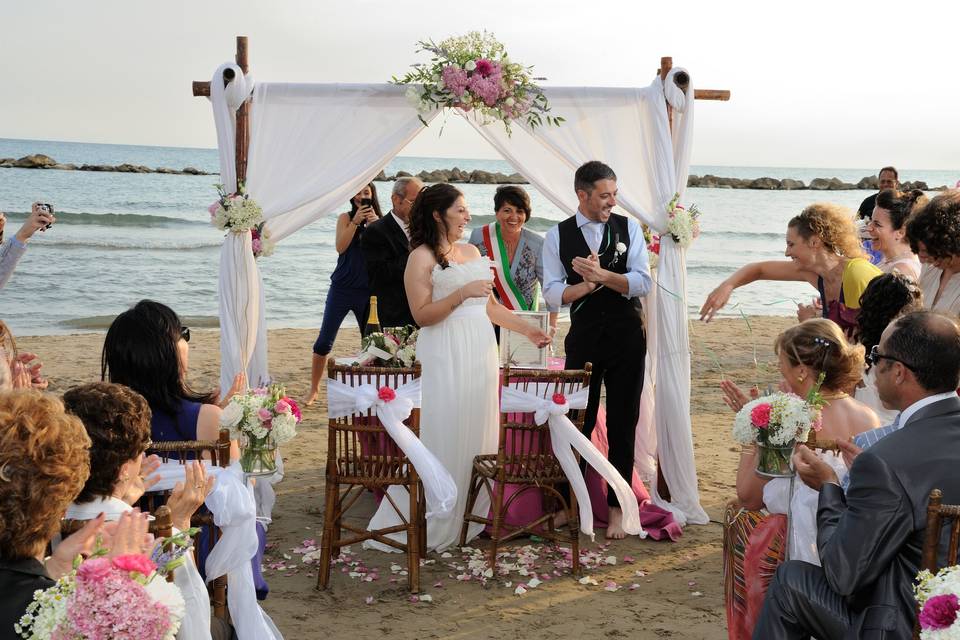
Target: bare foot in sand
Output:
[
  {"x": 615, "y": 525},
  {"x": 311, "y": 398}
]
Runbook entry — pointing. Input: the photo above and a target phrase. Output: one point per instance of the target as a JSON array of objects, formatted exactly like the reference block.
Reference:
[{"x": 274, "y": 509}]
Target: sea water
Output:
[{"x": 122, "y": 237}]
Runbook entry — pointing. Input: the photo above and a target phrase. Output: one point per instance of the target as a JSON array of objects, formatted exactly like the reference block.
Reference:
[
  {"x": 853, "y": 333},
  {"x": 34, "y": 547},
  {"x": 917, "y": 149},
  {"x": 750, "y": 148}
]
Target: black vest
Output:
[{"x": 604, "y": 308}]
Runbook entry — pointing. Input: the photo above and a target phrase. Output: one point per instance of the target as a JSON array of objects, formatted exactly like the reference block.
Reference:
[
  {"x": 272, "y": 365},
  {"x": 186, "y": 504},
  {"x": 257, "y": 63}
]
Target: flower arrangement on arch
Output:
[
  {"x": 121, "y": 597},
  {"x": 393, "y": 347},
  {"x": 683, "y": 224},
  {"x": 939, "y": 599},
  {"x": 474, "y": 72},
  {"x": 653, "y": 247},
  {"x": 239, "y": 213},
  {"x": 775, "y": 423}
]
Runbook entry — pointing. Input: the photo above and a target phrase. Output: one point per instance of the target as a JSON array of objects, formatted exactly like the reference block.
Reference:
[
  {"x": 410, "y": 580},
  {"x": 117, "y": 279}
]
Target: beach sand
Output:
[{"x": 678, "y": 595}]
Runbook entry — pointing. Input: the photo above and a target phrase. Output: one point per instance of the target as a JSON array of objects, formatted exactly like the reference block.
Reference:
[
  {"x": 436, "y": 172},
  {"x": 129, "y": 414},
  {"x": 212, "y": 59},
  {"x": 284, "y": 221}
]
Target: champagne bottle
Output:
[{"x": 373, "y": 321}]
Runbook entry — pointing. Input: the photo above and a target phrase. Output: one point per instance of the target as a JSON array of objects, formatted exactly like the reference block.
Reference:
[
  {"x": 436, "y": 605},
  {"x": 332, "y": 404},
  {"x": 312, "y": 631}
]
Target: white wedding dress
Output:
[{"x": 459, "y": 415}]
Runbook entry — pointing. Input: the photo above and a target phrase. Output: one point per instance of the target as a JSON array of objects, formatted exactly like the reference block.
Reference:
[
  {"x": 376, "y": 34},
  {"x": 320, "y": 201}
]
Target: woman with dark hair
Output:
[
  {"x": 449, "y": 288},
  {"x": 824, "y": 250},
  {"x": 888, "y": 233},
  {"x": 885, "y": 299},
  {"x": 349, "y": 288},
  {"x": 147, "y": 348},
  {"x": 934, "y": 233},
  {"x": 515, "y": 251}
]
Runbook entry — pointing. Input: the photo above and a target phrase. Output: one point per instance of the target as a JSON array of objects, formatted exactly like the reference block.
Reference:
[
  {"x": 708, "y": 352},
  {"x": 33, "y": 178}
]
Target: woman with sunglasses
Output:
[{"x": 147, "y": 348}]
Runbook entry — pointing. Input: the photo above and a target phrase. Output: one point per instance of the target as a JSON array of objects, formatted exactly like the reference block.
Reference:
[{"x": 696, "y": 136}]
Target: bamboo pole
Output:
[{"x": 243, "y": 115}]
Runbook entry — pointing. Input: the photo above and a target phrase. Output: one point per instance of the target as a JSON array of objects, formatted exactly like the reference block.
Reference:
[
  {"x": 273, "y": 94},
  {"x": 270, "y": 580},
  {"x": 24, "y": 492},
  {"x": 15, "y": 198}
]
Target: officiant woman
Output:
[{"x": 515, "y": 251}]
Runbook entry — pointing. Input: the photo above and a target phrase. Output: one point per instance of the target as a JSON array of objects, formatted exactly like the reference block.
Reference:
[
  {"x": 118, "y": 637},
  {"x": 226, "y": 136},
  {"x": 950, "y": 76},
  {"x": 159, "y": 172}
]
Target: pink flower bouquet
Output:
[{"x": 939, "y": 603}]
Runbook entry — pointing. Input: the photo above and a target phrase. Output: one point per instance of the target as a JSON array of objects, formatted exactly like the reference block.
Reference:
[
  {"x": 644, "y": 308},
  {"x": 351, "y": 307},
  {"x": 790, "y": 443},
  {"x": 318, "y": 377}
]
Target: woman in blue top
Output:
[{"x": 349, "y": 289}]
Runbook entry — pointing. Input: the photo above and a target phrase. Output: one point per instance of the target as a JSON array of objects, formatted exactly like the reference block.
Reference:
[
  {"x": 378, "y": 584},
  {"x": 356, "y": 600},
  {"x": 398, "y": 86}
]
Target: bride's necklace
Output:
[{"x": 839, "y": 395}]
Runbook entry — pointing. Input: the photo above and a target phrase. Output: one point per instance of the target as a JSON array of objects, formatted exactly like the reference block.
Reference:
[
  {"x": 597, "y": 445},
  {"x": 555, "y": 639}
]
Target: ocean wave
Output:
[
  {"x": 743, "y": 235},
  {"x": 115, "y": 219},
  {"x": 120, "y": 245},
  {"x": 104, "y": 322}
]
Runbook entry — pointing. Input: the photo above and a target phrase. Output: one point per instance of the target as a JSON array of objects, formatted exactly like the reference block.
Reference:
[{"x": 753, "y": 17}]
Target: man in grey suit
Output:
[{"x": 870, "y": 539}]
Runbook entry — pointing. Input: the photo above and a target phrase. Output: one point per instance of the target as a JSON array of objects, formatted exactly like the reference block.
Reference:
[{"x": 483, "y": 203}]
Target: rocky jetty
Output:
[
  {"x": 478, "y": 176},
  {"x": 40, "y": 161}
]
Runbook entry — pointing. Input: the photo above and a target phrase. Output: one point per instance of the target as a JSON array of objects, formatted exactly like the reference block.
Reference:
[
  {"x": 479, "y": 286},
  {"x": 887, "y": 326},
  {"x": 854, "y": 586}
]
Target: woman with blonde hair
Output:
[
  {"x": 825, "y": 251},
  {"x": 755, "y": 531}
]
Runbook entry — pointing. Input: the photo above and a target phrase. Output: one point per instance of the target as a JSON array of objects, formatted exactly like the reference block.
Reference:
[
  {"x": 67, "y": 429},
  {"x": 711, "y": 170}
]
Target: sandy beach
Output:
[{"x": 662, "y": 589}]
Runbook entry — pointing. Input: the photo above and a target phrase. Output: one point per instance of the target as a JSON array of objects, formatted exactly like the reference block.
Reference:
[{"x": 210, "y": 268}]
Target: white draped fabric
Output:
[
  {"x": 564, "y": 438},
  {"x": 234, "y": 511},
  {"x": 314, "y": 146},
  {"x": 439, "y": 489}
]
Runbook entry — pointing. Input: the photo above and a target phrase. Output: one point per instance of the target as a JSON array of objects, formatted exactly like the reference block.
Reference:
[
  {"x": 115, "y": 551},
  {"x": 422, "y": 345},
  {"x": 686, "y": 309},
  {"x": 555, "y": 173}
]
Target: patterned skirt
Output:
[{"x": 753, "y": 548}]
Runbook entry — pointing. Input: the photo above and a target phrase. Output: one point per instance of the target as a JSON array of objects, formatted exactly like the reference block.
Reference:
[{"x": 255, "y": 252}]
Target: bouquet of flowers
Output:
[
  {"x": 939, "y": 603},
  {"x": 474, "y": 72},
  {"x": 653, "y": 247},
  {"x": 775, "y": 423},
  {"x": 261, "y": 419},
  {"x": 121, "y": 597},
  {"x": 396, "y": 347},
  {"x": 239, "y": 213},
  {"x": 683, "y": 224}
]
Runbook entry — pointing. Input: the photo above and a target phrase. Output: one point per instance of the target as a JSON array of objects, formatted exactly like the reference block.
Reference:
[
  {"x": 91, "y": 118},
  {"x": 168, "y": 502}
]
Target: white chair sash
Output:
[
  {"x": 234, "y": 511},
  {"x": 343, "y": 400},
  {"x": 565, "y": 437}
]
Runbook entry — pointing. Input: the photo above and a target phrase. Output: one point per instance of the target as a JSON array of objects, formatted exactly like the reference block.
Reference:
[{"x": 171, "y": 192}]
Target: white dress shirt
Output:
[
  {"x": 555, "y": 276},
  {"x": 920, "y": 404}
]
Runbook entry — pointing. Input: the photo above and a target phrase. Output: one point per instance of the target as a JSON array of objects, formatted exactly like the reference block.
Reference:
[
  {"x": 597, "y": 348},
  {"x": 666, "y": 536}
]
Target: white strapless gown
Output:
[{"x": 459, "y": 417}]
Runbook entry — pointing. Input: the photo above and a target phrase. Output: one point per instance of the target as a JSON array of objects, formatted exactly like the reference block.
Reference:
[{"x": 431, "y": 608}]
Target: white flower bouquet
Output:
[
  {"x": 394, "y": 347},
  {"x": 939, "y": 600},
  {"x": 261, "y": 419},
  {"x": 239, "y": 213},
  {"x": 473, "y": 72},
  {"x": 683, "y": 224},
  {"x": 775, "y": 423}
]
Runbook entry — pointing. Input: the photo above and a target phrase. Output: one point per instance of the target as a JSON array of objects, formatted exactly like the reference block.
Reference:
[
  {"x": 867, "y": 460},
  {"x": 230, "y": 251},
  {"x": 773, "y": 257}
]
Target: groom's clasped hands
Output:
[{"x": 589, "y": 269}]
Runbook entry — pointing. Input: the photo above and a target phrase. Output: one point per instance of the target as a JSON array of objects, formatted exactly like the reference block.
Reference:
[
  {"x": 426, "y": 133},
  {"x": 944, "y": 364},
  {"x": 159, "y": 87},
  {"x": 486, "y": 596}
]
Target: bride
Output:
[{"x": 448, "y": 287}]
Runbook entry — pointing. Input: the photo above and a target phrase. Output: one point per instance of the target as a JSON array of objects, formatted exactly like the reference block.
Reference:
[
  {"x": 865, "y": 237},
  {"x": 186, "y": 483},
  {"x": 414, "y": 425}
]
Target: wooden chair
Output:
[
  {"x": 524, "y": 457},
  {"x": 218, "y": 452},
  {"x": 161, "y": 526},
  {"x": 937, "y": 512},
  {"x": 361, "y": 456}
]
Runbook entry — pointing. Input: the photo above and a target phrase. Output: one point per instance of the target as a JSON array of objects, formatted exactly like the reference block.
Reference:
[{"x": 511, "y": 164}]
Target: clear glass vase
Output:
[
  {"x": 258, "y": 455},
  {"x": 774, "y": 461}
]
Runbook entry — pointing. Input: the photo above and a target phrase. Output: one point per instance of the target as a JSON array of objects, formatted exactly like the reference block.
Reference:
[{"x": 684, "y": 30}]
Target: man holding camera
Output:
[
  {"x": 386, "y": 245},
  {"x": 41, "y": 218}
]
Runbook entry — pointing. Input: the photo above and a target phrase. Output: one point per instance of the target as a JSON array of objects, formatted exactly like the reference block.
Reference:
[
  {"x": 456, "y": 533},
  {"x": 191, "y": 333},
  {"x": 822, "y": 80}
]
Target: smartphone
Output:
[
  {"x": 46, "y": 208},
  {"x": 366, "y": 202}
]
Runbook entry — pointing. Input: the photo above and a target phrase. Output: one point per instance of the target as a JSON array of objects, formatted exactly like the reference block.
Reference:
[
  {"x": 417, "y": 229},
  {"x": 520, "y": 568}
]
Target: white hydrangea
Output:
[
  {"x": 407, "y": 355},
  {"x": 743, "y": 430},
  {"x": 284, "y": 428},
  {"x": 232, "y": 413},
  {"x": 168, "y": 594},
  {"x": 220, "y": 218},
  {"x": 791, "y": 419}
]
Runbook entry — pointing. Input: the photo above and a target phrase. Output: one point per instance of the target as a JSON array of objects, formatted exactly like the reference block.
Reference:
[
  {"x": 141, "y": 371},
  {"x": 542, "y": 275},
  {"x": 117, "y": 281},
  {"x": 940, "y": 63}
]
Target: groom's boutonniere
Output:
[{"x": 618, "y": 250}]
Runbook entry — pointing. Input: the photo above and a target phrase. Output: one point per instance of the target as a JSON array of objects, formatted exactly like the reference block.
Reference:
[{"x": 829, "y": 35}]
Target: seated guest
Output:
[
  {"x": 887, "y": 229},
  {"x": 754, "y": 539},
  {"x": 13, "y": 248},
  {"x": 386, "y": 245},
  {"x": 870, "y": 539},
  {"x": 515, "y": 251},
  {"x": 934, "y": 234},
  {"x": 886, "y": 298},
  {"x": 43, "y": 466},
  {"x": 117, "y": 420},
  {"x": 147, "y": 348}
]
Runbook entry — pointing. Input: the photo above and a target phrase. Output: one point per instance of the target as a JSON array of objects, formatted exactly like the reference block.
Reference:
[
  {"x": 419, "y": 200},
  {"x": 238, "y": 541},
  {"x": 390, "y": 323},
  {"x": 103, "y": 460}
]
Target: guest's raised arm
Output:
[{"x": 768, "y": 270}]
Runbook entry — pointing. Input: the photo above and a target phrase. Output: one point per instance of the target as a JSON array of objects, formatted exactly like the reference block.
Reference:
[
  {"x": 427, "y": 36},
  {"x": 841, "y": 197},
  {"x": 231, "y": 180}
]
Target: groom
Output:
[{"x": 596, "y": 262}]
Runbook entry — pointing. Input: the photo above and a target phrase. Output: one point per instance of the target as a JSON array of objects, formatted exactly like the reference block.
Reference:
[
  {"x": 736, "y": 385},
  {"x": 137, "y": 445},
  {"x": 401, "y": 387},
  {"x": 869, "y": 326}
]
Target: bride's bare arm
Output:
[{"x": 419, "y": 287}]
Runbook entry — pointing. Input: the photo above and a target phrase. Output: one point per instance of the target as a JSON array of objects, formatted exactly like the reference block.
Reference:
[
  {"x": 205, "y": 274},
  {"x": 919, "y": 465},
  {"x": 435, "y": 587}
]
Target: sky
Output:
[{"x": 814, "y": 84}]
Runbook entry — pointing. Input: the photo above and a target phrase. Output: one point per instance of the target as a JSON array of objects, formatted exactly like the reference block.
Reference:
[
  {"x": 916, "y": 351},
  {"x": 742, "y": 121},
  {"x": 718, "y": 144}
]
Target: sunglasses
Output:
[
  {"x": 875, "y": 356},
  {"x": 185, "y": 333}
]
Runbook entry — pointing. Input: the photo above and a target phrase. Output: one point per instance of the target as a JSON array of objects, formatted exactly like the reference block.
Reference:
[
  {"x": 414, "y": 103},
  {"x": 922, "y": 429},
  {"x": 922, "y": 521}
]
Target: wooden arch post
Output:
[{"x": 202, "y": 88}]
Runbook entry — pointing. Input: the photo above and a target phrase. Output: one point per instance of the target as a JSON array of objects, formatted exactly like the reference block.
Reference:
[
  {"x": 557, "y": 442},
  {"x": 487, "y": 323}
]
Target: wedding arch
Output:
[{"x": 304, "y": 149}]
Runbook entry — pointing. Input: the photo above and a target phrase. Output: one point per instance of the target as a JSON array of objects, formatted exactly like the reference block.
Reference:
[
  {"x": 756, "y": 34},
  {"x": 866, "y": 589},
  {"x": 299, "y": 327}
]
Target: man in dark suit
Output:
[
  {"x": 386, "y": 245},
  {"x": 870, "y": 540}
]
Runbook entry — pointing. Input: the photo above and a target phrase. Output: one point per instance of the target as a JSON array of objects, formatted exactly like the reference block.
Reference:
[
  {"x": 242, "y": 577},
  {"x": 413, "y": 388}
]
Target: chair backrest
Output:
[
  {"x": 524, "y": 446},
  {"x": 359, "y": 450},
  {"x": 218, "y": 450},
  {"x": 937, "y": 513},
  {"x": 824, "y": 444}
]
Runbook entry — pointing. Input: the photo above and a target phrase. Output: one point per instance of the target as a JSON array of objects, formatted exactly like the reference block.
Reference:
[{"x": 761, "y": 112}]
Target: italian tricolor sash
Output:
[{"x": 508, "y": 292}]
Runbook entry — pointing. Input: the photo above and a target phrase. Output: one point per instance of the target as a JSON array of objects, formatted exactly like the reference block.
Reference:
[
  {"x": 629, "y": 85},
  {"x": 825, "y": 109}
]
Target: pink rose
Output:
[
  {"x": 281, "y": 406},
  {"x": 135, "y": 562},
  {"x": 213, "y": 208},
  {"x": 294, "y": 407},
  {"x": 484, "y": 67},
  {"x": 760, "y": 416},
  {"x": 387, "y": 394},
  {"x": 559, "y": 398},
  {"x": 265, "y": 415},
  {"x": 939, "y": 612},
  {"x": 256, "y": 245},
  {"x": 94, "y": 570}
]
